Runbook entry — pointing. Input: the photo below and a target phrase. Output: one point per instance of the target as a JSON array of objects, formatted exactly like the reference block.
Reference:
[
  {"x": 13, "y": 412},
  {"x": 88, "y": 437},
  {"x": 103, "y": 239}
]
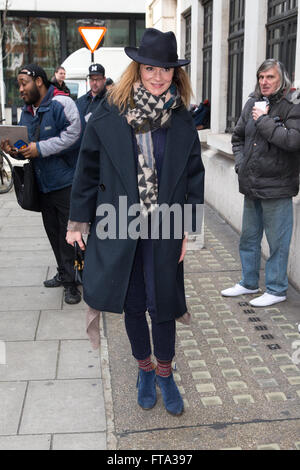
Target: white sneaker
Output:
[
  {"x": 237, "y": 290},
  {"x": 266, "y": 299}
]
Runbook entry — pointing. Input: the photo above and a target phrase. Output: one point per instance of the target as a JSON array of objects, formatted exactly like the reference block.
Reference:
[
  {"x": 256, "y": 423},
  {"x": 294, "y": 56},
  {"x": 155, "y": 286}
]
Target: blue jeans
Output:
[{"x": 275, "y": 217}]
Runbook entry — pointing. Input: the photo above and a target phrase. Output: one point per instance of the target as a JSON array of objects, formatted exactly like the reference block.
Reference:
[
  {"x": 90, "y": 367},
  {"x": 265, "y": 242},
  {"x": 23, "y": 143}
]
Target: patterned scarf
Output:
[{"x": 145, "y": 114}]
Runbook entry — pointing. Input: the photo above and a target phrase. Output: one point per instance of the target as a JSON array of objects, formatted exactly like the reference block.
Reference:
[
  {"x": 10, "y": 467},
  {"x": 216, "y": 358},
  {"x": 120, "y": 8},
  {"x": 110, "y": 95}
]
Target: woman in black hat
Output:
[{"x": 142, "y": 147}]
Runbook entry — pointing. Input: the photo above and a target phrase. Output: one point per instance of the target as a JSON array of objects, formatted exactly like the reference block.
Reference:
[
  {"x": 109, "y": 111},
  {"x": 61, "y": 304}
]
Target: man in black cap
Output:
[
  {"x": 88, "y": 103},
  {"x": 54, "y": 131}
]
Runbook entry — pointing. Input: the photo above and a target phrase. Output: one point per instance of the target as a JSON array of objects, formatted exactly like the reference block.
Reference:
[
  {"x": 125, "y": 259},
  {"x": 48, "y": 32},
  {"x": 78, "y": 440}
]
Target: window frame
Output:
[
  {"x": 235, "y": 56},
  {"x": 207, "y": 49},
  {"x": 286, "y": 42}
]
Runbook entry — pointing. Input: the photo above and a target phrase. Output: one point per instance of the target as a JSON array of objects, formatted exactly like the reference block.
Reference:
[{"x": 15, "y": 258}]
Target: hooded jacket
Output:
[
  {"x": 267, "y": 151},
  {"x": 58, "y": 139}
]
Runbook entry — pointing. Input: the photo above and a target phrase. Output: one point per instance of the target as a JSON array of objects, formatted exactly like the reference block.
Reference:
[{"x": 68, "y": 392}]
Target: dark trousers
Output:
[
  {"x": 141, "y": 297},
  {"x": 55, "y": 212}
]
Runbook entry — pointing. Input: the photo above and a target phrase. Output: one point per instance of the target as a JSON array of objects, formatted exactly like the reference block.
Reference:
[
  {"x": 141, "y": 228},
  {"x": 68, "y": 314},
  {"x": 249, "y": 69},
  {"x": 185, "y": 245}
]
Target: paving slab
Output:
[
  {"x": 11, "y": 400},
  {"x": 95, "y": 441},
  {"x": 61, "y": 324},
  {"x": 16, "y": 277},
  {"x": 20, "y": 221},
  {"x": 4, "y": 213},
  {"x": 29, "y": 360},
  {"x": 18, "y": 326},
  {"x": 63, "y": 406},
  {"x": 29, "y": 231},
  {"x": 17, "y": 211},
  {"x": 31, "y": 298},
  {"x": 25, "y": 442},
  {"x": 77, "y": 359},
  {"x": 23, "y": 259},
  {"x": 28, "y": 244}
]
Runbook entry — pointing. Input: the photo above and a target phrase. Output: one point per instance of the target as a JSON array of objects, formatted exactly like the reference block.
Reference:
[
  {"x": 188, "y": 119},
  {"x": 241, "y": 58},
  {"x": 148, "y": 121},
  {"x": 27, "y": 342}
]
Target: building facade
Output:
[
  {"x": 226, "y": 41},
  {"x": 47, "y": 32}
]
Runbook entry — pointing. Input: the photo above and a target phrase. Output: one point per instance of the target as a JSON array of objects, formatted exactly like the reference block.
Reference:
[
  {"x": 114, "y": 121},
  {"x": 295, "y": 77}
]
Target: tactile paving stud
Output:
[
  {"x": 211, "y": 401},
  {"x": 269, "y": 447},
  {"x": 276, "y": 396},
  {"x": 243, "y": 399}
]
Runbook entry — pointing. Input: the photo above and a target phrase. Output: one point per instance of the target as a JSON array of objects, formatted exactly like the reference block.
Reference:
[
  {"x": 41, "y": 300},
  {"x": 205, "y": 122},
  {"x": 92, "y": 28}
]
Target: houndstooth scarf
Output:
[{"x": 145, "y": 114}]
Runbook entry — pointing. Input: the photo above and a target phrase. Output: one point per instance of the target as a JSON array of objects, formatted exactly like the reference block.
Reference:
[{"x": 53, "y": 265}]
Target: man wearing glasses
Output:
[{"x": 88, "y": 103}]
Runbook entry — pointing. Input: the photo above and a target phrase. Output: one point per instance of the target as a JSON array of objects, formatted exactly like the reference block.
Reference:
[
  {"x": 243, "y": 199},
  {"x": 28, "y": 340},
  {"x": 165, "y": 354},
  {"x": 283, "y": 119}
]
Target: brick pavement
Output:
[
  {"x": 234, "y": 365},
  {"x": 240, "y": 386}
]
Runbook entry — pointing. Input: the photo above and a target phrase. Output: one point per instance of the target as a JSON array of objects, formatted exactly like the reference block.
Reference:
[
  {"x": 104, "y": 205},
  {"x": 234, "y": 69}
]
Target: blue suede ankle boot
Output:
[
  {"x": 146, "y": 389},
  {"x": 171, "y": 395}
]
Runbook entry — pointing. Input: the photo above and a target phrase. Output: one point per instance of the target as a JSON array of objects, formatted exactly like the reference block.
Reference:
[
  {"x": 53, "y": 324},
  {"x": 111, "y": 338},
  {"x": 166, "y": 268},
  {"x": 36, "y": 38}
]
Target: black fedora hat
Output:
[{"x": 158, "y": 49}]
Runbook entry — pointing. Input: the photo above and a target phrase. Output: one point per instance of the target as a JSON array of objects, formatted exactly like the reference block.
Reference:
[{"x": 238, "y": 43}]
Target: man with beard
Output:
[
  {"x": 266, "y": 145},
  {"x": 54, "y": 130},
  {"x": 89, "y": 102}
]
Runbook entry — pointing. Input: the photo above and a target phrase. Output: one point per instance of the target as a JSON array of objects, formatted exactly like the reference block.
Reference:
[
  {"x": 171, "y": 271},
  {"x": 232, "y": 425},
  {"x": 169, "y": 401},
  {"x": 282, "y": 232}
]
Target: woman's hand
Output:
[
  {"x": 73, "y": 237},
  {"x": 183, "y": 248}
]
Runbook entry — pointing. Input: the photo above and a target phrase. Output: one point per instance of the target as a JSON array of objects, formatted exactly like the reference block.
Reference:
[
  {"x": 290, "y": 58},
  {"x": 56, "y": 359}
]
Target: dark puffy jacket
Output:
[
  {"x": 59, "y": 140},
  {"x": 267, "y": 152},
  {"x": 87, "y": 104}
]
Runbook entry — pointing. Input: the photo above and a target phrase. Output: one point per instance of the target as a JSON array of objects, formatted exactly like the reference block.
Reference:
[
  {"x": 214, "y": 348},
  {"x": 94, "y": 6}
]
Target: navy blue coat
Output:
[{"x": 106, "y": 170}]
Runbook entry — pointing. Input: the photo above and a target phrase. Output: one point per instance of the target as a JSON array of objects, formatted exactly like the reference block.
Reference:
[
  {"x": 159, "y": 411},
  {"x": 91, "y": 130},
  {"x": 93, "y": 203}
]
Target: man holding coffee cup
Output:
[{"x": 266, "y": 145}]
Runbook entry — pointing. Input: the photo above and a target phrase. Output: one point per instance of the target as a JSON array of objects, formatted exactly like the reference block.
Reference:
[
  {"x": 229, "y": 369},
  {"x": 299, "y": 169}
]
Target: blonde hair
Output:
[{"x": 122, "y": 91}]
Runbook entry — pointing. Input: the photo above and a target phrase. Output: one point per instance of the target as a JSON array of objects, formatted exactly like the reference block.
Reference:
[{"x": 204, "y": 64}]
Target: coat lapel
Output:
[
  {"x": 119, "y": 148},
  {"x": 180, "y": 139}
]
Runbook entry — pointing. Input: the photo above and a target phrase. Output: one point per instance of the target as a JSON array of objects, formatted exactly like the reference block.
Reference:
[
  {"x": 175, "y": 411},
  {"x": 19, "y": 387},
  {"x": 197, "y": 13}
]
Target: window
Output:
[
  {"x": 282, "y": 32},
  {"x": 140, "y": 29},
  {"x": 27, "y": 40},
  {"x": 207, "y": 49},
  {"x": 236, "y": 62},
  {"x": 188, "y": 40}
]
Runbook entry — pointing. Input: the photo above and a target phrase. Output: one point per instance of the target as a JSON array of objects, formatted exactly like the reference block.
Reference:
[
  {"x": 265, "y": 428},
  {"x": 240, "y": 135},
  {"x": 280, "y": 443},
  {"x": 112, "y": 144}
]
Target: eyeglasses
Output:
[{"x": 98, "y": 79}]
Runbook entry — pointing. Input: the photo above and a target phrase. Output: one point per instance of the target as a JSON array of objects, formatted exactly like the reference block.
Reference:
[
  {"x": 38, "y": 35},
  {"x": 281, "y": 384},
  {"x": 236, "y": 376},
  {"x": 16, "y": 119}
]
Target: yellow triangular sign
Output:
[{"x": 92, "y": 35}]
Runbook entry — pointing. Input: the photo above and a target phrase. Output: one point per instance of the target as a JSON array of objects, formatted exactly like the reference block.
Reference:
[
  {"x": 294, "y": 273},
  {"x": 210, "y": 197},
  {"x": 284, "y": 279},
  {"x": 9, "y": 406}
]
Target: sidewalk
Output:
[
  {"x": 234, "y": 365},
  {"x": 240, "y": 386},
  {"x": 51, "y": 394}
]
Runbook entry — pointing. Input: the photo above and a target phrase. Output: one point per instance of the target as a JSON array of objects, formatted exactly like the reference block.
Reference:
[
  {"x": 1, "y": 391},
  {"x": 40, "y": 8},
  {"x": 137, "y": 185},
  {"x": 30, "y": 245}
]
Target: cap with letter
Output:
[{"x": 96, "y": 69}]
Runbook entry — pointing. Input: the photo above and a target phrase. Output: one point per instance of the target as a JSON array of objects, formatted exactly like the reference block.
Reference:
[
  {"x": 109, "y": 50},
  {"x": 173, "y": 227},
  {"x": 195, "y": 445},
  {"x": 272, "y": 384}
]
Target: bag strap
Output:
[{"x": 38, "y": 128}]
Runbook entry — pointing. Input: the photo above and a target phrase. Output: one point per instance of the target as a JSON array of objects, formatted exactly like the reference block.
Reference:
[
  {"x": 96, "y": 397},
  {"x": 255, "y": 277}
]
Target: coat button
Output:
[{"x": 102, "y": 187}]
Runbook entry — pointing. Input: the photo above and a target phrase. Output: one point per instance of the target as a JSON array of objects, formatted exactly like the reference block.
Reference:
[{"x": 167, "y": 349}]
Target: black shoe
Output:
[
  {"x": 54, "y": 282},
  {"x": 72, "y": 295}
]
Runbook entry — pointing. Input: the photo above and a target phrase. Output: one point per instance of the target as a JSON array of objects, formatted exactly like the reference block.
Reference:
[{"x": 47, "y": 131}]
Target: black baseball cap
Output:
[
  {"x": 35, "y": 71},
  {"x": 96, "y": 69}
]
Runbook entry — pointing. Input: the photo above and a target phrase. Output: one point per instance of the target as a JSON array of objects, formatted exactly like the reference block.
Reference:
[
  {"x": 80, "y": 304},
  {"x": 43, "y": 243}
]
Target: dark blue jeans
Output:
[
  {"x": 141, "y": 297},
  {"x": 275, "y": 217}
]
